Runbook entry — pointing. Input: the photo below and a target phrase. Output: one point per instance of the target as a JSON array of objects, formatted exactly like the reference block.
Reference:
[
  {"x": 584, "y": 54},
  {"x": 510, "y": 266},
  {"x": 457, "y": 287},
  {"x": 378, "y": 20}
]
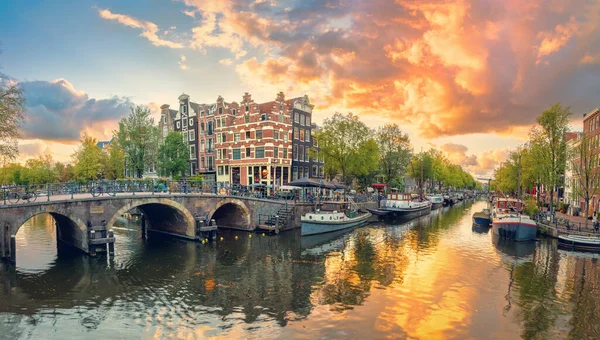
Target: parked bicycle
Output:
[
  {"x": 100, "y": 190},
  {"x": 14, "y": 196}
]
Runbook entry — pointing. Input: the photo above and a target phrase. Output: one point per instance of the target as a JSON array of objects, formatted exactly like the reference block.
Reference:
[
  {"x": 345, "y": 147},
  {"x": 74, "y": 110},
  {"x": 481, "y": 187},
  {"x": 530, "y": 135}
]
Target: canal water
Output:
[{"x": 435, "y": 277}]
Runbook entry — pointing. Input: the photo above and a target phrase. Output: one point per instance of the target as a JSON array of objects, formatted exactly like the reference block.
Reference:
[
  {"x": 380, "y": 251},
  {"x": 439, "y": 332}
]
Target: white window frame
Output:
[
  {"x": 191, "y": 122},
  {"x": 178, "y": 124},
  {"x": 192, "y": 135}
]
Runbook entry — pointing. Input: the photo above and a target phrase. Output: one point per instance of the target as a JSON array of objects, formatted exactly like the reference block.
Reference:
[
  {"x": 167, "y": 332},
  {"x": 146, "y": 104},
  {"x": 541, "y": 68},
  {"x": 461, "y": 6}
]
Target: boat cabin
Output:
[
  {"x": 395, "y": 196},
  {"x": 508, "y": 205}
]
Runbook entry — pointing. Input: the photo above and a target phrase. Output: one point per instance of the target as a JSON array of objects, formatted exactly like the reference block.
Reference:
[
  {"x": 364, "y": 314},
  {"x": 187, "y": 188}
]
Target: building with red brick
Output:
[
  {"x": 591, "y": 129},
  {"x": 255, "y": 143}
]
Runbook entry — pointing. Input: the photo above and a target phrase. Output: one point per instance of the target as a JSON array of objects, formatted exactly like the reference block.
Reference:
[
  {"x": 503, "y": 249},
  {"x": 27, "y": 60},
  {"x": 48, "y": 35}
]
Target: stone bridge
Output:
[{"x": 174, "y": 214}]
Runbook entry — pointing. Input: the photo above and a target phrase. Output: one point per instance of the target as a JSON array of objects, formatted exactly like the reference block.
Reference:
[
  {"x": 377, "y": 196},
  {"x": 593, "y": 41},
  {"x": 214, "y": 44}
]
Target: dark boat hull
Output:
[
  {"x": 407, "y": 214},
  {"x": 436, "y": 205},
  {"x": 377, "y": 212},
  {"x": 575, "y": 245},
  {"x": 482, "y": 221}
]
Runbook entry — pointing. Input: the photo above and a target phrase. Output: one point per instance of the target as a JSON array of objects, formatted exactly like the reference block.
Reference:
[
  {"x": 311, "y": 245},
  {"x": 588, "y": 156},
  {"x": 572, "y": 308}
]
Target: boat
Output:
[
  {"x": 345, "y": 215},
  {"x": 436, "y": 201},
  {"x": 398, "y": 205},
  {"x": 509, "y": 223},
  {"x": 482, "y": 218},
  {"x": 448, "y": 200},
  {"x": 577, "y": 242}
]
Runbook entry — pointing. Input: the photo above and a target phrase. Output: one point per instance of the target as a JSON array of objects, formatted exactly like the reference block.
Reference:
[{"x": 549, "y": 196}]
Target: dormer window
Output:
[
  {"x": 220, "y": 110},
  {"x": 247, "y": 108},
  {"x": 233, "y": 111}
]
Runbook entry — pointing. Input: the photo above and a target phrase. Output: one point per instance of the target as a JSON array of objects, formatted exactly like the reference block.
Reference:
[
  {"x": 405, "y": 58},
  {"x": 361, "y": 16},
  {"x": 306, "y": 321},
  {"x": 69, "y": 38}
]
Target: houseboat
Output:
[
  {"x": 482, "y": 218},
  {"x": 325, "y": 220},
  {"x": 436, "y": 201},
  {"x": 398, "y": 205},
  {"x": 509, "y": 223},
  {"x": 577, "y": 242}
]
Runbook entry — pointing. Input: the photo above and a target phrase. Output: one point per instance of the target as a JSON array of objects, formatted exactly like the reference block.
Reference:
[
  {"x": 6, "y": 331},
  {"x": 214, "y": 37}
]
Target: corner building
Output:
[
  {"x": 254, "y": 143},
  {"x": 304, "y": 163}
]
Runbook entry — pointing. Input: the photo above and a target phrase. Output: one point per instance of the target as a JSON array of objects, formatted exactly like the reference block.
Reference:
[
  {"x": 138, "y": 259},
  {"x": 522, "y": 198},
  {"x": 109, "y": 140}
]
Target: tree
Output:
[
  {"x": 12, "y": 114},
  {"x": 138, "y": 138},
  {"x": 38, "y": 171},
  {"x": 583, "y": 163},
  {"x": 421, "y": 168},
  {"x": 89, "y": 160},
  {"x": 173, "y": 155},
  {"x": 553, "y": 126},
  {"x": 395, "y": 151},
  {"x": 344, "y": 143},
  {"x": 115, "y": 161}
]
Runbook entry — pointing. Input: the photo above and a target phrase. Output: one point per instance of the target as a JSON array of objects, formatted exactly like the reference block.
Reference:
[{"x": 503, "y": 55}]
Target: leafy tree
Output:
[
  {"x": 89, "y": 160},
  {"x": 395, "y": 151},
  {"x": 115, "y": 161},
  {"x": 345, "y": 143},
  {"x": 421, "y": 168},
  {"x": 138, "y": 138},
  {"x": 551, "y": 136},
  {"x": 11, "y": 174},
  {"x": 12, "y": 113},
  {"x": 583, "y": 163},
  {"x": 173, "y": 156},
  {"x": 38, "y": 171}
]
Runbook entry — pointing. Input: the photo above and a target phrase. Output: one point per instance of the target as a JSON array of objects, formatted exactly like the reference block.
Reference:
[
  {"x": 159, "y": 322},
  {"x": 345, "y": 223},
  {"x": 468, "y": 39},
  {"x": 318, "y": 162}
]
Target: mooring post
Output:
[
  {"x": 111, "y": 243},
  {"x": 13, "y": 249},
  {"x": 92, "y": 246}
]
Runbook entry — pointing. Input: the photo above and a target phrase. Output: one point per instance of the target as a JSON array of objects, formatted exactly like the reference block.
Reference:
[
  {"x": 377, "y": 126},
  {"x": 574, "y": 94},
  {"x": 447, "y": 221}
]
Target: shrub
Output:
[{"x": 531, "y": 208}]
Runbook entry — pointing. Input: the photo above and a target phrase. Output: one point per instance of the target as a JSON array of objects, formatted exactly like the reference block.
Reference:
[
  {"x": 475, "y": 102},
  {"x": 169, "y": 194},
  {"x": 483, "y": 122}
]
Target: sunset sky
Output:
[{"x": 467, "y": 77}]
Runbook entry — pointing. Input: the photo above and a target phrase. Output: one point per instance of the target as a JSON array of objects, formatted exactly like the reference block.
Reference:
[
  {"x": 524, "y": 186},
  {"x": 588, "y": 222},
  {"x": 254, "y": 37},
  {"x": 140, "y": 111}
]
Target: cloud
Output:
[
  {"x": 57, "y": 111},
  {"x": 482, "y": 165},
  {"x": 182, "y": 64},
  {"x": 149, "y": 30},
  {"x": 227, "y": 61}
]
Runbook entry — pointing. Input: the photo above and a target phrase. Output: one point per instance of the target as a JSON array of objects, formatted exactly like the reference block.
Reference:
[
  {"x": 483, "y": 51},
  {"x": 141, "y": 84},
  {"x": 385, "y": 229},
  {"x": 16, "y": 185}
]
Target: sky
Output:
[{"x": 467, "y": 77}]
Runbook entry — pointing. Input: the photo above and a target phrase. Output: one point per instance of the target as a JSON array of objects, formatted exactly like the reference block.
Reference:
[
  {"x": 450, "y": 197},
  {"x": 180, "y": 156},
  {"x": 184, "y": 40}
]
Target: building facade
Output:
[
  {"x": 186, "y": 121},
  {"x": 304, "y": 163},
  {"x": 255, "y": 143},
  {"x": 166, "y": 124},
  {"x": 591, "y": 129}
]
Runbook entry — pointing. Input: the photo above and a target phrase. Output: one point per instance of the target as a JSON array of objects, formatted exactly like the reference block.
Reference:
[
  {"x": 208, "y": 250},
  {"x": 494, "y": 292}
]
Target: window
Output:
[
  {"x": 236, "y": 154},
  {"x": 303, "y": 120},
  {"x": 315, "y": 171},
  {"x": 164, "y": 119},
  {"x": 295, "y": 152},
  {"x": 184, "y": 136},
  {"x": 210, "y": 164},
  {"x": 179, "y": 125},
  {"x": 308, "y": 120},
  {"x": 276, "y": 152},
  {"x": 184, "y": 122},
  {"x": 165, "y": 131},
  {"x": 294, "y": 173},
  {"x": 191, "y": 122},
  {"x": 321, "y": 173},
  {"x": 315, "y": 142},
  {"x": 275, "y": 135},
  {"x": 202, "y": 113},
  {"x": 259, "y": 134},
  {"x": 192, "y": 152},
  {"x": 296, "y": 133},
  {"x": 305, "y": 172},
  {"x": 246, "y": 108},
  {"x": 236, "y": 137},
  {"x": 285, "y": 137},
  {"x": 233, "y": 111},
  {"x": 301, "y": 153},
  {"x": 219, "y": 141},
  {"x": 247, "y": 134},
  {"x": 281, "y": 118},
  {"x": 322, "y": 158},
  {"x": 247, "y": 152},
  {"x": 259, "y": 152},
  {"x": 210, "y": 145},
  {"x": 297, "y": 117},
  {"x": 224, "y": 138},
  {"x": 202, "y": 128},
  {"x": 306, "y": 154},
  {"x": 220, "y": 110},
  {"x": 202, "y": 165},
  {"x": 307, "y": 136},
  {"x": 223, "y": 122},
  {"x": 316, "y": 156},
  {"x": 285, "y": 153},
  {"x": 302, "y": 134},
  {"x": 264, "y": 116},
  {"x": 210, "y": 128},
  {"x": 183, "y": 109},
  {"x": 202, "y": 145},
  {"x": 220, "y": 170},
  {"x": 218, "y": 123},
  {"x": 192, "y": 135},
  {"x": 246, "y": 119}
]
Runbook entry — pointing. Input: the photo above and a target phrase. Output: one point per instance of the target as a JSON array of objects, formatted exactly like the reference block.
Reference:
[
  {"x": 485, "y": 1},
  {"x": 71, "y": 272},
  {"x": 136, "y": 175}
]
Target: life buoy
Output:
[{"x": 222, "y": 191}]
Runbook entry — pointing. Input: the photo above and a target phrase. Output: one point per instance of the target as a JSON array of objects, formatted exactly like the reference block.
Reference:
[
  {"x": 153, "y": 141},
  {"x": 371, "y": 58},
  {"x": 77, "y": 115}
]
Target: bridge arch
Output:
[
  {"x": 161, "y": 214},
  {"x": 69, "y": 229},
  {"x": 233, "y": 213}
]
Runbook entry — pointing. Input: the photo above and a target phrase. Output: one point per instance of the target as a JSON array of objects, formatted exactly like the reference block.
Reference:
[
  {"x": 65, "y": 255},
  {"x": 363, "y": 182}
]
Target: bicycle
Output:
[
  {"x": 101, "y": 190},
  {"x": 15, "y": 197}
]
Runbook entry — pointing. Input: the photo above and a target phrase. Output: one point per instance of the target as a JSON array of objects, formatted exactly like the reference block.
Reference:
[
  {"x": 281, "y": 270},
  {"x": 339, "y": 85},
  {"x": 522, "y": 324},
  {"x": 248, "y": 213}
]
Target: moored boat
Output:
[
  {"x": 436, "y": 201},
  {"x": 509, "y": 223},
  {"x": 325, "y": 221},
  {"x": 482, "y": 218},
  {"x": 577, "y": 242},
  {"x": 404, "y": 205}
]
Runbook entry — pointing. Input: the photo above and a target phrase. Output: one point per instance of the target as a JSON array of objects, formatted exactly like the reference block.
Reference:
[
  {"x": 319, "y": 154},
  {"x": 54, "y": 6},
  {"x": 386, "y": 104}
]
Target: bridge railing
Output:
[{"x": 14, "y": 194}]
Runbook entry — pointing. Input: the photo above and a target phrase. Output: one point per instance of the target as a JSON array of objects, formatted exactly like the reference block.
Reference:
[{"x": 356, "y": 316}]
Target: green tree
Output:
[
  {"x": 345, "y": 144},
  {"x": 421, "y": 168},
  {"x": 583, "y": 162},
  {"x": 12, "y": 113},
  {"x": 138, "y": 138},
  {"x": 551, "y": 135},
  {"x": 395, "y": 151},
  {"x": 38, "y": 171},
  {"x": 173, "y": 156},
  {"x": 115, "y": 161},
  {"x": 89, "y": 160}
]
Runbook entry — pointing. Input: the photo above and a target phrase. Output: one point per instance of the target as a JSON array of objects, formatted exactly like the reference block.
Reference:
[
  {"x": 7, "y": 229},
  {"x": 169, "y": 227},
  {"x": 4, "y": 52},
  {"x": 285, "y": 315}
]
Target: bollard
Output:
[
  {"x": 111, "y": 244},
  {"x": 13, "y": 249},
  {"x": 92, "y": 246}
]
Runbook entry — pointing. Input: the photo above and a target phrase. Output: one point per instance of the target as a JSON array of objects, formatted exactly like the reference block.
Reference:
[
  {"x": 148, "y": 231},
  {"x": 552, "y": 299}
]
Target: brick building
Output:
[
  {"x": 304, "y": 164},
  {"x": 255, "y": 144},
  {"x": 186, "y": 121},
  {"x": 166, "y": 123},
  {"x": 591, "y": 128}
]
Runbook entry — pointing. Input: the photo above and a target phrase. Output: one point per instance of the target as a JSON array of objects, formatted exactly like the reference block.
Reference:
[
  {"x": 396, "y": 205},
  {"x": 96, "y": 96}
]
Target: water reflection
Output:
[{"x": 432, "y": 277}]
